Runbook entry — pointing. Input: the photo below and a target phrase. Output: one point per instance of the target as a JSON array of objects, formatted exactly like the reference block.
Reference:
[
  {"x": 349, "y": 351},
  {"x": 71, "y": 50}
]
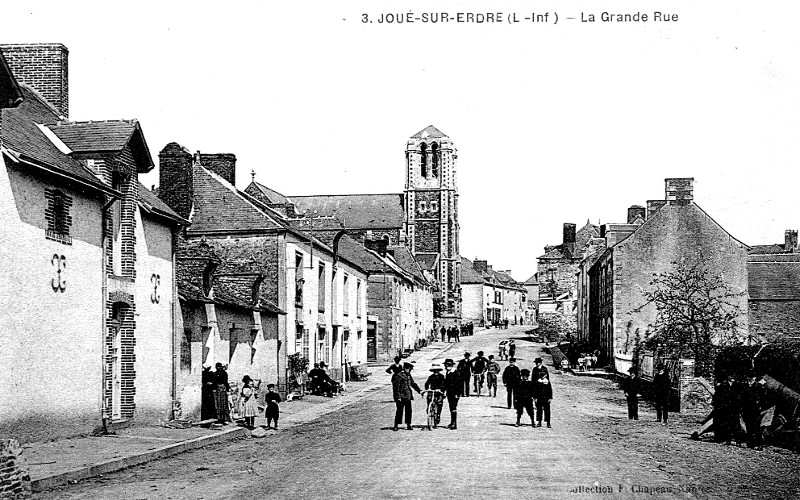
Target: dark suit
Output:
[
  {"x": 631, "y": 387},
  {"x": 523, "y": 398},
  {"x": 544, "y": 393},
  {"x": 510, "y": 380},
  {"x": 753, "y": 398},
  {"x": 463, "y": 369},
  {"x": 453, "y": 387},
  {"x": 661, "y": 388}
]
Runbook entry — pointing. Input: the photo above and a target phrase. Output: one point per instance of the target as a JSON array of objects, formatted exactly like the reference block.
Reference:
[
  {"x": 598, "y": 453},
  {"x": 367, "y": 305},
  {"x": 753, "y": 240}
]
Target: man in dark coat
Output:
[
  {"x": 453, "y": 388},
  {"x": 523, "y": 396},
  {"x": 402, "y": 384},
  {"x": 463, "y": 369},
  {"x": 443, "y": 331},
  {"x": 512, "y": 348},
  {"x": 510, "y": 380},
  {"x": 479, "y": 366},
  {"x": 221, "y": 394},
  {"x": 661, "y": 389},
  {"x": 630, "y": 386},
  {"x": 544, "y": 394},
  {"x": 395, "y": 367},
  {"x": 539, "y": 370},
  {"x": 752, "y": 401}
]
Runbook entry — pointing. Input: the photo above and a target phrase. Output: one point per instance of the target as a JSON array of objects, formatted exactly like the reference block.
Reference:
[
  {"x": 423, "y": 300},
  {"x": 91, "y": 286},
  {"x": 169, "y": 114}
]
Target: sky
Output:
[{"x": 553, "y": 122}]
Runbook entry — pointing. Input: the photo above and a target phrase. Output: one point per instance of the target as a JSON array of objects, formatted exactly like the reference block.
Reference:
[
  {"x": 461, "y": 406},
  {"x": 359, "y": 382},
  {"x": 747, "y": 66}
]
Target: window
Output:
[
  {"x": 57, "y": 215},
  {"x": 346, "y": 297},
  {"x": 435, "y": 159},
  {"x": 423, "y": 159},
  {"x": 321, "y": 288},
  {"x": 434, "y": 206},
  {"x": 422, "y": 207},
  {"x": 358, "y": 298},
  {"x": 298, "y": 279}
]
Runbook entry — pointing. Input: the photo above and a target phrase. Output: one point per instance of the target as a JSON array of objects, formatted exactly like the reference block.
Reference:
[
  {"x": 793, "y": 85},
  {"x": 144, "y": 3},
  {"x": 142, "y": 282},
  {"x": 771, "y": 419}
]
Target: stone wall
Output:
[
  {"x": 694, "y": 396},
  {"x": 14, "y": 479},
  {"x": 774, "y": 318}
]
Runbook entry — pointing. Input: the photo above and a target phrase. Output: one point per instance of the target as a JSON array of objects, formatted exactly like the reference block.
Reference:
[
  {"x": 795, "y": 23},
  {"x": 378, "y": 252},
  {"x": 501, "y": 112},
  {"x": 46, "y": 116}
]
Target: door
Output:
[
  {"x": 116, "y": 376},
  {"x": 372, "y": 341}
]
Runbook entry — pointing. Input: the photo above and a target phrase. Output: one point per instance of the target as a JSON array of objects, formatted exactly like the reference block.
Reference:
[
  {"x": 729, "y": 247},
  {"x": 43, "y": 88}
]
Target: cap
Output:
[
  {"x": 512, "y": 359},
  {"x": 631, "y": 370},
  {"x": 524, "y": 372},
  {"x": 480, "y": 353},
  {"x": 537, "y": 360},
  {"x": 408, "y": 365},
  {"x": 466, "y": 354},
  {"x": 270, "y": 386},
  {"x": 449, "y": 362}
]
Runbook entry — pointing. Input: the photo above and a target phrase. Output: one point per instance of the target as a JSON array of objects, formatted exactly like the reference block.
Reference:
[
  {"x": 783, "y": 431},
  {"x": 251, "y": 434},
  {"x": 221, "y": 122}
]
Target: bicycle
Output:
[
  {"x": 477, "y": 379},
  {"x": 435, "y": 401}
]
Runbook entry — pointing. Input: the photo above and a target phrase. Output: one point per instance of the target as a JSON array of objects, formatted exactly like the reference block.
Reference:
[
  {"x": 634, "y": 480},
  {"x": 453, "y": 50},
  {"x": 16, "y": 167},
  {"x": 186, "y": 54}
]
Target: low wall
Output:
[{"x": 14, "y": 479}]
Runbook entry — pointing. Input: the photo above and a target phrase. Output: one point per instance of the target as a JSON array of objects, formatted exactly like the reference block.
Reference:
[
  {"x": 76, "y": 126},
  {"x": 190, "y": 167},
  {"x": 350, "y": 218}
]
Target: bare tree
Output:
[{"x": 696, "y": 312}]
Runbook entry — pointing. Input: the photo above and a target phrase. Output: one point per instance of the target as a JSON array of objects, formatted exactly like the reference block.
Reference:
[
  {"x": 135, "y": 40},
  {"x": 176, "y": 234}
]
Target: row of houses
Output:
[
  {"x": 117, "y": 296},
  {"x": 491, "y": 297},
  {"x": 599, "y": 274}
]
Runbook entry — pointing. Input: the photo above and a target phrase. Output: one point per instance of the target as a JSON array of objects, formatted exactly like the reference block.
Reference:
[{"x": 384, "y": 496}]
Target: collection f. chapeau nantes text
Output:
[{"x": 411, "y": 17}]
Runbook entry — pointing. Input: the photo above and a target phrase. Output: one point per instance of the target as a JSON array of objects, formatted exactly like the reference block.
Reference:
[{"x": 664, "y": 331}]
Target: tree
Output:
[{"x": 697, "y": 311}]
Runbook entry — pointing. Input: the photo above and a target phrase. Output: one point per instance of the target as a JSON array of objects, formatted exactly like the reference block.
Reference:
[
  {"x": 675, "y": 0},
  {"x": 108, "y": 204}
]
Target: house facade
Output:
[
  {"x": 78, "y": 224},
  {"x": 489, "y": 296}
]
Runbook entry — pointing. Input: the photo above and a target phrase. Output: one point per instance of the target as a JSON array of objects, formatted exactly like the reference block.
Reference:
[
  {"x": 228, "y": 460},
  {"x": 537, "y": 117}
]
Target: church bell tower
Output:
[{"x": 431, "y": 214}]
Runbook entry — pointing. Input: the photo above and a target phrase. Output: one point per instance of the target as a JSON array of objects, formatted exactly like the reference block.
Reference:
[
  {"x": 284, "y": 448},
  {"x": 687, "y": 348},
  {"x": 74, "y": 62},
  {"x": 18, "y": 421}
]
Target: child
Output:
[
  {"x": 492, "y": 369},
  {"x": 272, "y": 399},
  {"x": 249, "y": 398},
  {"x": 523, "y": 396}
]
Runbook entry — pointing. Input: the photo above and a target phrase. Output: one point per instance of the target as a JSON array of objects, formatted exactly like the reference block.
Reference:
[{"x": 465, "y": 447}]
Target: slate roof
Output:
[
  {"x": 429, "y": 132},
  {"x": 153, "y": 203},
  {"x": 767, "y": 249},
  {"x": 533, "y": 280},
  {"x": 226, "y": 293},
  {"x": 774, "y": 277},
  {"x": 427, "y": 262},
  {"x": 10, "y": 91},
  {"x": 271, "y": 196},
  {"x": 406, "y": 260},
  {"x": 108, "y": 136},
  {"x": 356, "y": 211},
  {"x": 221, "y": 207},
  {"x": 468, "y": 274},
  {"x": 22, "y": 135},
  {"x": 192, "y": 293}
]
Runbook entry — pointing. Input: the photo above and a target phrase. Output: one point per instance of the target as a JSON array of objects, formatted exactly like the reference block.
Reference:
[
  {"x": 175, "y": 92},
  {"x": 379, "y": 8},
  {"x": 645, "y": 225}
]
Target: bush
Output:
[{"x": 556, "y": 327}]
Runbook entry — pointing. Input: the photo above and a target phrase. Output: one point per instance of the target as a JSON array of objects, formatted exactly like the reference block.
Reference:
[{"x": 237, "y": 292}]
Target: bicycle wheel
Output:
[{"x": 431, "y": 415}]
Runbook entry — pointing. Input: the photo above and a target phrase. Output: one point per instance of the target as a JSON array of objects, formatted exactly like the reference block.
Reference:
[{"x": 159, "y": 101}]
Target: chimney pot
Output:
[
  {"x": 679, "y": 190},
  {"x": 176, "y": 178},
  {"x": 790, "y": 241}
]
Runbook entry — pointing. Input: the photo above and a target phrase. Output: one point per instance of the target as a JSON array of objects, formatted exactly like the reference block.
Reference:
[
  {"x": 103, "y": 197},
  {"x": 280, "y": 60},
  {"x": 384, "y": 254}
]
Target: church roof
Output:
[
  {"x": 429, "y": 132},
  {"x": 270, "y": 195},
  {"x": 356, "y": 211}
]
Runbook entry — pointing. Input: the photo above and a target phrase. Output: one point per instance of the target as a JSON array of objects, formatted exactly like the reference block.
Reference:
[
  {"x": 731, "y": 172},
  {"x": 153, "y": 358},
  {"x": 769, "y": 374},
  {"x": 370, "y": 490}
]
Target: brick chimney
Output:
[
  {"x": 480, "y": 265},
  {"x": 569, "y": 239},
  {"x": 790, "y": 244},
  {"x": 176, "y": 178},
  {"x": 635, "y": 212},
  {"x": 679, "y": 191},
  {"x": 44, "y": 67},
  {"x": 653, "y": 206},
  {"x": 222, "y": 164}
]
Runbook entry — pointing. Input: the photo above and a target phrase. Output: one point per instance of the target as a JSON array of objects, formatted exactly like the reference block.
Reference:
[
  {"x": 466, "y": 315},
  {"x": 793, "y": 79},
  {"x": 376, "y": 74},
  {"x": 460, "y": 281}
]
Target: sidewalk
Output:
[{"x": 68, "y": 460}]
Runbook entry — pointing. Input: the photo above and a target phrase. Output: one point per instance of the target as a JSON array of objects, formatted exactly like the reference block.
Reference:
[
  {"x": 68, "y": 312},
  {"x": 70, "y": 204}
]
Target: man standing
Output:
[
  {"x": 751, "y": 411},
  {"x": 539, "y": 370},
  {"x": 479, "y": 365},
  {"x": 395, "y": 367},
  {"x": 492, "y": 370},
  {"x": 544, "y": 393},
  {"x": 523, "y": 397},
  {"x": 630, "y": 387},
  {"x": 221, "y": 388},
  {"x": 402, "y": 383},
  {"x": 661, "y": 388},
  {"x": 463, "y": 369},
  {"x": 510, "y": 380},
  {"x": 453, "y": 388},
  {"x": 512, "y": 348},
  {"x": 443, "y": 331}
]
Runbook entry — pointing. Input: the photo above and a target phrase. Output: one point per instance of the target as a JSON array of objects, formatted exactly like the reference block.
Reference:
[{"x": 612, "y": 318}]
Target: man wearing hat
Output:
[
  {"x": 453, "y": 388},
  {"x": 544, "y": 393},
  {"x": 402, "y": 384},
  {"x": 630, "y": 386},
  {"x": 661, "y": 388},
  {"x": 510, "y": 380},
  {"x": 539, "y": 370},
  {"x": 463, "y": 369},
  {"x": 435, "y": 382},
  {"x": 479, "y": 366}
]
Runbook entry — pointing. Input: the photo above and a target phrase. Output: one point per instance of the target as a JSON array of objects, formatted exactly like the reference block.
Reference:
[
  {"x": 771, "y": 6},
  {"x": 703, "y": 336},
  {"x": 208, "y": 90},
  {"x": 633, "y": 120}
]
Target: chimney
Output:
[
  {"x": 222, "y": 164},
  {"x": 381, "y": 246},
  {"x": 176, "y": 178},
  {"x": 569, "y": 239},
  {"x": 790, "y": 244},
  {"x": 44, "y": 67},
  {"x": 635, "y": 212},
  {"x": 679, "y": 191},
  {"x": 480, "y": 265},
  {"x": 653, "y": 206}
]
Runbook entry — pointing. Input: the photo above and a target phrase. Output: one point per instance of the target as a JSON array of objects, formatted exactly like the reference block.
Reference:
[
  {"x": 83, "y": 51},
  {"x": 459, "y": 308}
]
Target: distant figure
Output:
[
  {"x": 630, "y": 386},
  {"x": 510, "y": 380},
  {"x": 523, "y": 396},
  {"x": 506, "y": 323},
  {"x": 443, "y": 332},
  {"x": 272, "y": 399},
  {"x": 512, "y": 349},
  {"x": 456, "y": 333},
  {"x": 463, "y": 368},
  {"x": 661, "y": 388}
]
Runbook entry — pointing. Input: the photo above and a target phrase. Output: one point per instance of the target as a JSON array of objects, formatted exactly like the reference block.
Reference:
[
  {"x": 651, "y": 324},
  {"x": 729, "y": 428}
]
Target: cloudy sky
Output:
[{"x": 553, "y": 123}]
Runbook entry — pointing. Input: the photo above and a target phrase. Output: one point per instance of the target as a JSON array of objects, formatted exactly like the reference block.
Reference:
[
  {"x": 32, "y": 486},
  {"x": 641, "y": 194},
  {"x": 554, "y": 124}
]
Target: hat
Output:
[
  {"x": 480, "y": 353},
  {"x": 524, "y": 372},
  {"x": 408, "y": 365},
  {"x": 449, "y": 362},
  {"x": 631, "y": 370},
  {"x": 270, "y": 386},
  {"x": 537, "y": 360},
  {"x": 512, "y": 359},
  {"x": 246, "y": 379},
  {"x": 436, "y": 367},
  {"x": 466, "y": 354}
]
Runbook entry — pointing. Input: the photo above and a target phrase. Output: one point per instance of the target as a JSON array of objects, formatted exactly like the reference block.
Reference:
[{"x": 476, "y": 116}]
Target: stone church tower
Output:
[{"x": 431, "y": 214}]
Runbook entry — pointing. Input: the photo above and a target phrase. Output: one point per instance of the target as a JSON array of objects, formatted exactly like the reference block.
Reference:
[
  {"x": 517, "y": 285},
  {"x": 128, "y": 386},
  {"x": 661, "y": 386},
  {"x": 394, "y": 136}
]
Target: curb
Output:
[{"x": 116, "y": 464}]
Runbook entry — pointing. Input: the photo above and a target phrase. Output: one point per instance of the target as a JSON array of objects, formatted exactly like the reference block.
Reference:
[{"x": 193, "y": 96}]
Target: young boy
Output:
[
  {"x": 272, "y": 399},
  {"x": 492, "y": 370},
  {"x": 523, "y": 396}
]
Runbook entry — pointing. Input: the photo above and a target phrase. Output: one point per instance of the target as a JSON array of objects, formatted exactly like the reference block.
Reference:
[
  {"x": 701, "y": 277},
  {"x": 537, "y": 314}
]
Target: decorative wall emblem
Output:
[
  {"x": 155, "y": 297},
  {"x": 58, "y": 283}
]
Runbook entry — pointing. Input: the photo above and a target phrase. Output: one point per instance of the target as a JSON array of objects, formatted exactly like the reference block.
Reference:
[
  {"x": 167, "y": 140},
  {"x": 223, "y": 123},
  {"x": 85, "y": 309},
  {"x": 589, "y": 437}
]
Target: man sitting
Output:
[{"x": 319, "y": 382}]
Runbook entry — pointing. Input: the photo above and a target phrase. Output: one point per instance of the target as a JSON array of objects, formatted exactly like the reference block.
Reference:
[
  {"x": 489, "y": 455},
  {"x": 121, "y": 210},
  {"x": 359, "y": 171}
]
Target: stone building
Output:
[
  {"x": 532, "y": 295},
  {"x": 490, "y": 296},
  {"x": 424, "y": 217},
  {"x": 774, "y": 289},
  {"x": 85, "y": 242},
  {"x": 677, "y": 229}
]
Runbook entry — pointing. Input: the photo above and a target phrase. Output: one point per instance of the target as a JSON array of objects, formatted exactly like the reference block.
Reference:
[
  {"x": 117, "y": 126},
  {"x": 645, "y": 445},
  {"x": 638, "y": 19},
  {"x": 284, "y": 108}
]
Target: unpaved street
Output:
[{"x": 591, "y": 451}]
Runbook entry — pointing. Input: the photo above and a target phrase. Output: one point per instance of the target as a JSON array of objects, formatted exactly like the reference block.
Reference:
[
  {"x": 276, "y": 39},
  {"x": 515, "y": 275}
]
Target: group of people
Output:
[
  {"x": 216, "y": 403},
  {"x": 631, "y": 387},
  {"x": 735, "y": 399},
  {"x": 454, "y": 333},
  {"x": 526, "y": 389},
  {"x": 498, "y": 323},
  {"x": 319, "y": 382},
  {"x": 506, "y": 349}
]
